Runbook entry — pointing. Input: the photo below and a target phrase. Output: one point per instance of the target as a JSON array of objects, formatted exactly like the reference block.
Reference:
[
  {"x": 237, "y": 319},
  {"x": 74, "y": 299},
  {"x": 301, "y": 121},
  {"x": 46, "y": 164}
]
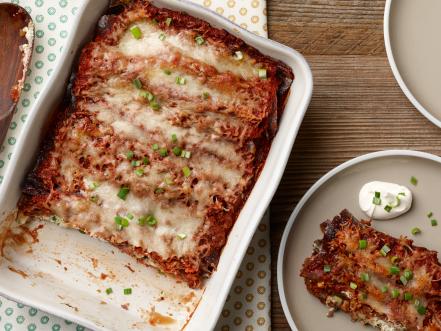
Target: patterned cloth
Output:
[{"x": 248, "y": 304}]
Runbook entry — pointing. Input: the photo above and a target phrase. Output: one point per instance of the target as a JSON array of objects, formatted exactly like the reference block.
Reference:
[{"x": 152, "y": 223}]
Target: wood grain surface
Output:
[{"x": 357, "y": 107}]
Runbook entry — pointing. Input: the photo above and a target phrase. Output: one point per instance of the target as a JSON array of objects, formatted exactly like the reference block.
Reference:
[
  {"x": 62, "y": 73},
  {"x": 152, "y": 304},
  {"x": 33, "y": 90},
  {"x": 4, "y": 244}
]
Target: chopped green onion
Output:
[
  {"x": 147, "y": 95},
  {"x": 130, "y": 155},
  {"x": 434, "y": 222},
  {"x": 163, "y": 151},
  {"x": 139, "y": 172},
  {"x": 238, "y": 55},
  {"x": 177, "y": 150},
  {"x": 388, "y": 208},
  {"x": 403, "y": 280},
  {"x": 421, "y": 309},
  {"x": 205, "y": 95},
  {"x": 199, "y": 40},
  {"x": 93, "y": 185},
  {"x": 377, "y": 194},
  {"x": 376, "y": 201},
  {"x": 129, "y": 216},
  {"x": 363, "y": 296},
  {"x": 181, "y": 236},
  {"x": 186, "y": 154},
  {"x": 155, "y": 147},
  {"x": 353, "y": 286},
  {"x": 145, "y": 160},
  {"x": 123, "y": 191},
  {"x": 149, "y": 220},
  {"x": 415, "y": 231},
  {"x": 408, "y": 274},
  {"x": 168, "y": 21},
  {"x": 155, "y": 105},
  {"x": 162, "y": 37},
  {"x": 121, "y": 222},
  {"x": 262, "y": 73},
  {"x": 429, "y": 215},
  {"x": 384, "y": 250},
  {"x": 394, "y": 259},
  {"x": 397, "y": 202},
  {"x": 136, "y": 163},
  {"x": 395, "y": 293},
  {"x": 159, "y": 190},
  {"x": 362, "y": 244},
  {"x": 167, "y": 72},
  {"x": 364, "y": 276},
  {"x": 168, "y": 181},
  {"x": 181, "y": 80},
  {"x": 137, "y": 83},
  {"x": 186, "y": 171},
  {"x": 94, "y": 198},
  {"x": 402, "y": 193},
  {"x": 384, "y": 289},
  {"x": 408, "y": 296},
  {"x": 109, "y": 290},
  {"x": 127, "y": 291},
  {"x": 136, "y": 32},
  {"x": 394, "y": 270},
  {"x": 326, "y": 268},
  {"x": 174, "y": 138},
  {"x": 413, "y": 181}
]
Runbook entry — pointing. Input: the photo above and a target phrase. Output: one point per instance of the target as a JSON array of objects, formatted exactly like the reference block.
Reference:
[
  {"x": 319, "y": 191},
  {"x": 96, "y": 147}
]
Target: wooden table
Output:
[{"x": 357, "y": 107}]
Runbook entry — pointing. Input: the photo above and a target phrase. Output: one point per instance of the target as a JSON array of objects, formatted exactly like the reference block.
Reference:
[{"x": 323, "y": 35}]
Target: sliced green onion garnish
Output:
[
  {"x": 262, "y": 73},
  {"x": 416, "y": 230},
  {"x": 181, "y": 236},
  {"x": 205, "y": 95},
  {"x": 93, "y": 186},
  {"x": 123, "y": 191},
  {"x": 388, "y": 208},
  {"x": 376, "y": 201},
  {"x": 129, "y": 155},
  {"x": 408, "y": 274},
  {"x": 394, "y": 270},
  {"x": 186, "y": 171},
  {"x": 155, "y": 147},
  {"x": 181, "y": 80},
  {"x": 199, "y": 40},
  {"x": 109, "y": 290},
  {"x": 408, "y": 296},
  {"x": 177, "y": 150},
  {"x": 127, "y": 291},
  {"x": 238, "y": 55},
  {"x": 118, "y": 219},
  {"x": 145, "y": 160},
  {"x": 174, "y": 138},
  {"x": 154, "y": 105},
  {"x": 395, "y": 293},
  {"x": 429, "y": 215},
  {"x": 94, "y": 198},
  {"x": 137, "y": 83},
  {"x": 168, "y": 181},
  {"x": 163, "y": 151},
  {"x": 136, "y": 32},
  {"x": 403, "y": 280},
  {"x": 129, "y": 216},
  {"x": 413, "y": 181},
  {"x": 394, "y": 259},
  {"x": 167, "y": 72},
  {"x": 384, "y": 250},
  {"x": 377, "y": 194},
  {"x": 384, "y": 289},
  {"x": 147, "y": 95},
  {"x": 402, "y": 193},
  {"x": 168, "y": 21},
  {"x": 363, "y": 296},
  {"x": 362, "y": 244},
  {"x": 434, "y": 222},
  {"x": 136, "y": 163},
  {"x": 186, "y": 154},
  {"x": 326, "y": 268},
  {"x": 421, "y": 309},
  {"x": 159, "y": 190},
  {"x": 364, "y": 276},
  {"x": 149, "y": 220},
  {"x": 162, "y": 37},
  {"x": 139, "y": 172},
  {"x": 353, "y": 286}
]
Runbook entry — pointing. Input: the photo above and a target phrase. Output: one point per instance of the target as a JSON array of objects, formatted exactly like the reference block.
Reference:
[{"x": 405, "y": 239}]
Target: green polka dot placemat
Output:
[{"x": 248, "y": 304}]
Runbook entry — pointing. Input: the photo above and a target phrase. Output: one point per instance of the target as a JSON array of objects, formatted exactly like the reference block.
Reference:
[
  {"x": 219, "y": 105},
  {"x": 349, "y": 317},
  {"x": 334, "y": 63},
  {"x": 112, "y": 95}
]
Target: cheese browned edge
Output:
[
  {"x": 359, "y": 280},
  {"x": 218, "y": 103}
]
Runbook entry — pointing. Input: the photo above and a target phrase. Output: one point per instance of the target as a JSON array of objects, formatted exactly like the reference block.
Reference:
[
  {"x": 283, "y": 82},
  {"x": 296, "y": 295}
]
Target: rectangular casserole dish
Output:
[{"x": 66, "y": 296}]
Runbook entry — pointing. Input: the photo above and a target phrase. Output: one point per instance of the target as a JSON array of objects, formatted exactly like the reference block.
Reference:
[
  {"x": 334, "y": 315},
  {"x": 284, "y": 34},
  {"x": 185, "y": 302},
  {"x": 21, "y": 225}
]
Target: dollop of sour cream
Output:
[{"x": 383, "y": 200}]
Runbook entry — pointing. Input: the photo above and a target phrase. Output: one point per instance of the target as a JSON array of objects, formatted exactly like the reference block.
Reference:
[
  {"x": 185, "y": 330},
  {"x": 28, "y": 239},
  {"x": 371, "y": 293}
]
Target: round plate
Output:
[
  {"x": 337, "y": 190},
  {"x": 411, "y": 34}
]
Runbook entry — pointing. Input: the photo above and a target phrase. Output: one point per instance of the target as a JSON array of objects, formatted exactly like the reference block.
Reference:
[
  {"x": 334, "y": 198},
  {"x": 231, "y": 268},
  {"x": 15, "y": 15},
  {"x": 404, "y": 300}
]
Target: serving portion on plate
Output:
[{"x": 381, "y": 272}]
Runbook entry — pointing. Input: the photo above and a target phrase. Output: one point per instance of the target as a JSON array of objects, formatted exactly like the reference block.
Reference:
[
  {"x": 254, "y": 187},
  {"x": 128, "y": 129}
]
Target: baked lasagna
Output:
[
  {"x": 379, "y": 280},
  {"x": 168, "y": 126}
]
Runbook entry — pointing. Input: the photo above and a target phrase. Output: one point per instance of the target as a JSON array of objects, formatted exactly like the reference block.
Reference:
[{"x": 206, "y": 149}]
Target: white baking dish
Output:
[{"x": 73, "y": 294}]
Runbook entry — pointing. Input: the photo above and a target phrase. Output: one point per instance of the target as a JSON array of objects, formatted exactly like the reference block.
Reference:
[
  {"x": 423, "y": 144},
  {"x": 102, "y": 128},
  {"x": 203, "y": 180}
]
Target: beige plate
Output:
[
  {"x": 338, "y": 190},
  {"x": 412, "y": 38}
]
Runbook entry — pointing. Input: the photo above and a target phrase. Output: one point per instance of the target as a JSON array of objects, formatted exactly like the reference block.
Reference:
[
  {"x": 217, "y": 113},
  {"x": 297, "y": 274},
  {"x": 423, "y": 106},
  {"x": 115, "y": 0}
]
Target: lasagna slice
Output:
[
  {"x": 379, "y": 280},
  {"x": 167, "y": 129}
]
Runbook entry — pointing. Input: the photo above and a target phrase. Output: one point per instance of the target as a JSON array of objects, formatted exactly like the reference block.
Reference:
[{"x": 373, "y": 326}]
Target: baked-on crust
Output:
[
  {"x": 182, "y": 115},
  {"x": 396, "y": 289}
]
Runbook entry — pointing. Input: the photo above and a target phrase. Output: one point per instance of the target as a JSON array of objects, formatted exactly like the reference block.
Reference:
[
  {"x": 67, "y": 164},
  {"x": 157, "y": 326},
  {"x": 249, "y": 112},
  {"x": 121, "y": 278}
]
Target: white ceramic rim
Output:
[
  {"x": 310, "y": 192},
  {"x": 396, "y": 72}
]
